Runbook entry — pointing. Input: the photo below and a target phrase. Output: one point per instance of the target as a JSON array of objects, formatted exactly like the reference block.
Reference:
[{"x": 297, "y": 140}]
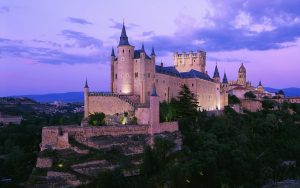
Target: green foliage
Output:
[
  {"x": 250, "y": 95},
  {"x": 268, "y": 104},
  {"x": 97, "y": 119},
  {"x": 168, "y": 111},
  {"x": 232, "y": 99},
  {"x": 187, "y": 104},
  {"x": 133, "y": 121}
]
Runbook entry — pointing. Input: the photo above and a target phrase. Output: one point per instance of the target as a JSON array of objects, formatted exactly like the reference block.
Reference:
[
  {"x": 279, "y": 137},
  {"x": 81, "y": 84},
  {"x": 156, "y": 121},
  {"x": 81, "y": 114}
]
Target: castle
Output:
[{"x": 134, "y": 73}]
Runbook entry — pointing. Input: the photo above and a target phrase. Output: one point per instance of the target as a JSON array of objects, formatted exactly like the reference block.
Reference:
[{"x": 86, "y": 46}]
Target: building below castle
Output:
[{"x": 241, "y": 86}]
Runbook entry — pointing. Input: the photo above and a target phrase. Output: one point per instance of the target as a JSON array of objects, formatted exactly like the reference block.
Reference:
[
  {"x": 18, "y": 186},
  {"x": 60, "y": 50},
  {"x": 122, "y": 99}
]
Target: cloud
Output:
[
  {"x": 119, "y": 25},
  {"x": 147, "y": 33},
  {"x": 4, "y": 9},
  {"x": 18, "y": 49},
  {"x": 82, "y": 40},
  {"x": 252, "y": 25},
  {"x": 78, "y": 21}
]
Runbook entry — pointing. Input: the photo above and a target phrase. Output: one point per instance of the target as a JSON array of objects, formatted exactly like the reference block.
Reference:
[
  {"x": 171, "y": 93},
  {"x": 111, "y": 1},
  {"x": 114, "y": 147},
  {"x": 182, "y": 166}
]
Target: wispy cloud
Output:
[
  {"x": 4, "y": 9},
  {"x": 81, "y": 39},
  {"x": 78, "y": 21},
  {"x": 147, "y": 33},
  {"x": 119, "y": 25},
  {"x": 53, "y": 53}
]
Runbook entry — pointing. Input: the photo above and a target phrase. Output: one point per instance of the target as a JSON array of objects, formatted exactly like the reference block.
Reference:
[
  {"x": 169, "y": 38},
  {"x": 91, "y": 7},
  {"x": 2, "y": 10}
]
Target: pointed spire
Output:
[
  {"x": 152, "y": 52},
  {"x": 123, "y": 37},
  {"x": 112, "y": 52},
  {"x": 225, "y": 81},
  {"x": 143, "y": 48},
  {"x": 86, "y": 84},
  {"x": 259, "y": 83},
  {"x": 154, "y": 91},
  {"x": 216, "y": 73}
]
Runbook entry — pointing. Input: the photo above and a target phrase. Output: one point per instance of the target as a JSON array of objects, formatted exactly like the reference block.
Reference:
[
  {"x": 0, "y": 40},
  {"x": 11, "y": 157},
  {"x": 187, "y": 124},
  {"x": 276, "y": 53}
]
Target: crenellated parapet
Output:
[{"x": 184, "y": 62}]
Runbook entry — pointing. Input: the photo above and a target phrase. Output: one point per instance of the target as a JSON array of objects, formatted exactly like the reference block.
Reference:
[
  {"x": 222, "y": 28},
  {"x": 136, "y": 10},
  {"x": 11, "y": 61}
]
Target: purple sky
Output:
[{"x": 52, "y": 46}]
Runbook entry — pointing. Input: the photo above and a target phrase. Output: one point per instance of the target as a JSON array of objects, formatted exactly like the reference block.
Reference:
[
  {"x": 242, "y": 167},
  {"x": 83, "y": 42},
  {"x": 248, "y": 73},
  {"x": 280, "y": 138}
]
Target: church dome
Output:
[{"x": 242, "y": 68}]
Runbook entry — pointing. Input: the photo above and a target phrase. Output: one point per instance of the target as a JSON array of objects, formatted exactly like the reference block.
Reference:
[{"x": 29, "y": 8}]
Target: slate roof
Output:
[
  {"x": 123, "y": 37},
  {"x": 137, "y": 54},
  {"x": 173, "y": 72}
]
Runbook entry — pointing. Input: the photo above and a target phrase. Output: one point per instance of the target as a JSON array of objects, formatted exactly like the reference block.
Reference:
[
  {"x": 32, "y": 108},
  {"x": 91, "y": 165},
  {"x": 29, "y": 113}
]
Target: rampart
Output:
[{"x": 57, "y": 137}]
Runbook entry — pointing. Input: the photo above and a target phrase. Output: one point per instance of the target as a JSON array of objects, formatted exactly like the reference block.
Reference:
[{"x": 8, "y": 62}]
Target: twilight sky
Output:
[{"x": 52, "y": 46}]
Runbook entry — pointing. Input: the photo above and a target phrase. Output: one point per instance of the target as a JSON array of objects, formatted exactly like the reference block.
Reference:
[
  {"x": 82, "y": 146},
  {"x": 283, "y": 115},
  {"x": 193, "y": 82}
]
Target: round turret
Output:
[{"x": 124, "y": 73}]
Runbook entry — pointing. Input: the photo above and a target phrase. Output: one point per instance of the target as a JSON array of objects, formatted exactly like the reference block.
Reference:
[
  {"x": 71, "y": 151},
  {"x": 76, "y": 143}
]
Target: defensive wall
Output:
[{"x": 57, "y": 137}]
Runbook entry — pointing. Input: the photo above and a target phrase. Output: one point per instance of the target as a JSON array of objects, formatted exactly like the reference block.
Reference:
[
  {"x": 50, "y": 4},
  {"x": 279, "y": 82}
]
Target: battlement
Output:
[
  {"x": 185, "y": 62},
  {"x": 190, "y": 54}
]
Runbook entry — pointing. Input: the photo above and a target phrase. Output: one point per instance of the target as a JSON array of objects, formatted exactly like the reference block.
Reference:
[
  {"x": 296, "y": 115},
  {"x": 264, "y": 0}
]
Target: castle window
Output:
[
  {"x": 165, "y": 94},
  {"x": 148, "y": 93},
  {"x": 136, "y": 75},
  {"x": 156, "y": 80},
  {"x": 123, "y": 51},
  {"x": 148, "y": 75},
  {"x": 192, "y": 85},
  {"x": 194, "y": 60},
  {"x": 116, "y": 76}
]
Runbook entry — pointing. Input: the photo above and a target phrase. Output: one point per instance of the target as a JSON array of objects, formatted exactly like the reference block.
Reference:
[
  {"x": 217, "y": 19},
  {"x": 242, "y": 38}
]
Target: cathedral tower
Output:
[
  {"x": 124, "y": 73},
  {"x": 216, "y": 77},
  {"x": 242, "y": 75}
]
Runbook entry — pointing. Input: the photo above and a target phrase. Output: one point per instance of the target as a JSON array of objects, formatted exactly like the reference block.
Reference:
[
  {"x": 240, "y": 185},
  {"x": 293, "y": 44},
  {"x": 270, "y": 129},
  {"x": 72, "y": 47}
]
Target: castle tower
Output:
[
  {"x": 112, "y": 71},
  {"x": 124, "y": 74},
  {"x": 154, "y": 112},
  {"x": 242, "y": 75},
  {"x": 187, "y": 61},
  {"x": 216, "y": 77},
  {"x": 86, "y": 99}
]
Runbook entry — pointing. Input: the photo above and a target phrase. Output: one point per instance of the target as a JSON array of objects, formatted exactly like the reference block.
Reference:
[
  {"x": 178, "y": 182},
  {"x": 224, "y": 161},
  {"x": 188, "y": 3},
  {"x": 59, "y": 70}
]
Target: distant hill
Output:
[
  {"x": 78, "y": 96},
  {"x": 289, "y": 92},
  {"x": 51, "y": 97}
]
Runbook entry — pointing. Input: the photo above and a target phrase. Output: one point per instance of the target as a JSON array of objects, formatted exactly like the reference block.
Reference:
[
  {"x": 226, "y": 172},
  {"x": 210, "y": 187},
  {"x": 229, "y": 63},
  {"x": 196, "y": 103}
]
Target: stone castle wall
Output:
[
  {"x": 109, "y": 105},
  {"x": 57, "y": 137},
  {"x": 251, "y": 105}
]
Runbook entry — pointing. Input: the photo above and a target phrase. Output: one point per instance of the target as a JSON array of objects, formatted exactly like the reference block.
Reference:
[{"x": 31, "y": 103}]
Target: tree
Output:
[
  {"x": 250, "y": 95},
  {"x": 97, "y": 119},
  {"x": 232, "y": 99},
  {"x": 280, "y": 92},
  {"x": 187, "y": 105}
]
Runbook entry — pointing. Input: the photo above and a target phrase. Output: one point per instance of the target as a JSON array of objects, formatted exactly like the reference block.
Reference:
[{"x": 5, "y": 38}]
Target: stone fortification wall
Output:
[
  {"x": 251, "y": 105},
  {"x": 108, "y": 104},
  {"x": 54, "y": 137},
  {"x": 142, "y": 115},
  {"x": 169, "y": 126}
]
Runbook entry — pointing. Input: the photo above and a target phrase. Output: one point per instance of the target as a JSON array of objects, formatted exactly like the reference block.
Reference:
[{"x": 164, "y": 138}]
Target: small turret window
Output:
[
  {"x": 123, "y": 51},
  {"x": 148, "y": 75},
  {"x": 116, "y": 76},
  {"x": 136, "y": 75}
]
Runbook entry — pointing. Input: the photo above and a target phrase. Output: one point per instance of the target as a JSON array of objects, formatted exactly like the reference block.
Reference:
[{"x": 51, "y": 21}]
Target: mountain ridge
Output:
[{"x": 78, "y": 96}]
